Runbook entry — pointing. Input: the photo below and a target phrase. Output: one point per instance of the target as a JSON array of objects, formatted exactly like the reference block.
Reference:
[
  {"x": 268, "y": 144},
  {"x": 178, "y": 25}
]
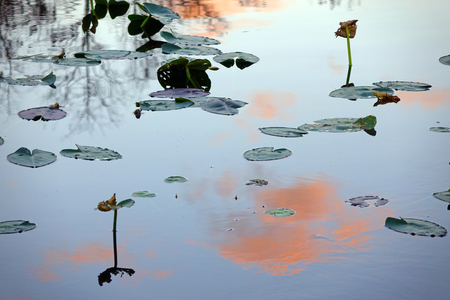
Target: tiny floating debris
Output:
[
  {"x": 361, "y": 201},
  {"x": 257, "y": 182}
]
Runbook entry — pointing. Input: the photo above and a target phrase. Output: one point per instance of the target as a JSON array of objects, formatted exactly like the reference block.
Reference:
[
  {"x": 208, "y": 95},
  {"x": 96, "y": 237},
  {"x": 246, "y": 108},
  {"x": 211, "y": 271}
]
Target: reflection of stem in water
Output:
[
  {"x": 114, "y": 238},
  {"x": 348, "y": 47},
  {"x": 348, "y": 75},
  {"x": 188, "y": 75}
]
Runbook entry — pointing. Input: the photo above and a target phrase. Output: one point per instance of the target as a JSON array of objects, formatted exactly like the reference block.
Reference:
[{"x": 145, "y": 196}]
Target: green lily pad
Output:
[
  {"x": 332, "y": 125},
  {"x": 34, "y": 80},
  {"x": 125, "y": 203},
  {"x": 445, "y": 60},
  {"x": 188, "y": 40},
  {"x": 16, "y": 226},
  {"x": 243, "y": 60},
  {"x": 283, "y": 131},
  {"x": 91, "y": 153},
  {"x": 164, "y": 105},
  {"x": 222, "y": 106},
  {"x": 359, "y": 92},
  {"x": 158, "y": 10},
  {"x": 143, "y": 194},
  {"x": 403, "y": 85},
  {"x": 180, "y": 93},
  {"x": 189, "y": 50},
  {"x": 280, "y": 212},
  {"x": 440, "y": 129},
  {"x": 364, "y": 201},
  {"x": 46, "y": 113},
  {"x": 1, "y": 141},
  {"x": 172, "y": 179},
  {"x": 266, "y": 154},
  {"x": 415, "y": 227},
  {"x": 366, "y": 123},
  {"x": 444, "y": 196},
  {"x": 77, "y": 62},
  {"x": 111, "y": 54},
  {"x": 144, "y": 24},
  {"x": 37, "y": 158},
  {"x": 183, "y": 73}
]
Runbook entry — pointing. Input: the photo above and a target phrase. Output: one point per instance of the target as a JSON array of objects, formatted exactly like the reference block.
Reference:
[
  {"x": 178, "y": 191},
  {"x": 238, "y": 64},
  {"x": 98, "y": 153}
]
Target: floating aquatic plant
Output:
[
  {"x": 187, "y": 40},
  {"x": 359, "y": 92},
  {"x": 257, "y": 182},
  {"x": 415, "y": 227},
  {"x": 34, "y": 80},
  {"x": 91, "y": 153},
  {"x": 143, "y": 194},
  {"x": 243, "y": 60},
  {"x": 409, "y": 86},
  {"x": 37, "y": 158},
  {"x": 164, "y": 105},
  {"x": 172, "y": 179},
  {"x": 266, "y": 154},
  {"x": 444, "y": 196},
  {"x": 364, "y": 201},
  {"x": 280, "y": 212},
  {"x": 16, "y": 226},
  {"x": 440, "y": 129},
  {"x": 45, "y": 113},
  {"x": 283, "y": 131}
]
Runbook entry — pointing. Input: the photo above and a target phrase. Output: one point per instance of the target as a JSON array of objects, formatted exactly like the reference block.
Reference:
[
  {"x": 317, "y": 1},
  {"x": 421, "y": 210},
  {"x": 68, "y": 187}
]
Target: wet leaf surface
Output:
[
  {"x": 280, "y": 212},
  {"x": 46, "y": 113},
  {"x": 77, "y": 62},
  {"x": 91, "y": 153},
  {"x": 188, "y": 40},
  {"x": 359, "y": 92},
  {"x": 164, "y": 105},
  {"x": 444, "y": 196},
  {"x": 158, "y": 10},
  {"x": 364, "y": 201},
  {"x": 283, "y": 131},
  {"x": 111, "y": 54},
  {"x": 37, "y": 158},
  {"x": 332, "y": 125},
  {"x": 415, "y": 227},
  {"x": 409, "y": 86},
  {"x": 34, "y": 80},
  {"x": 266, "y": 154},
  {"x": 189, "y": 50},
  {"x": 16, "y": 226}
]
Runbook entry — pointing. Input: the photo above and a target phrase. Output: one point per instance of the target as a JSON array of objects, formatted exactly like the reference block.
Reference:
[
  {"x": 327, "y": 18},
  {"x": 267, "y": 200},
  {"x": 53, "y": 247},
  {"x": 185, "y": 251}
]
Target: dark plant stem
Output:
[
  {"x": 348, "y": 48},
  {"x": 114, "y": 238}
]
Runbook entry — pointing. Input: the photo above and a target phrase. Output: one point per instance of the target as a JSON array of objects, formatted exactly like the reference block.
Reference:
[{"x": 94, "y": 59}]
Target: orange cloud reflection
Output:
[
  {"x": 434, "y": 98},
  {"x": 270, "y": 105}
]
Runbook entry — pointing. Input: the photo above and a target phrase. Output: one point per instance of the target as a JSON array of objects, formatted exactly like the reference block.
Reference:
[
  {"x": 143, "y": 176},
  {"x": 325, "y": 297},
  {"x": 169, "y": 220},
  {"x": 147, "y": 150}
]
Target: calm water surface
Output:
[{"x": 195, "y": 240}]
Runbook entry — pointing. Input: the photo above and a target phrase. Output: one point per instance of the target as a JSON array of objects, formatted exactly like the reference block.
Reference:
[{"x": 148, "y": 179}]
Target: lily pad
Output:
[
  {"x": 445, "y": 60},
  {"x": 111, "y": 54},
  {"x": 172, "y": 179},
  {"x": 415, "y": 227},
  {"x": 91, "y": 153},
  {"x": 364, "y": 201},
  {"x": 34, "y": 80},
  {"x": 45, "y": 113},
  {"x": 366, "y": 123},
  {"x": 189, "y": 50},
  {"x": 359, "y": 92},
  {"x": 266, "y": 154},
  {"x": 332, "y": 125},
  {"x": 280, "y": 212},
  {"x": 180, "y": 93},
  {"x": 243, "y": 60},
  {"x": 283, "y": 131},
  {"x": 143, "y": 194},
  {"x": 37, "y": 158},
  {"x": 39, "y": 58},
  {"x": 188, "y": 40},
  {"x": 444, "y": 196},
  {"x": 223, "y": 106},
  {"x": 1, "y": 141},
  {"x": 257, "y": 182},
  {"x": 409, "y": 86},
  {"x": 164, "y": 105},
  {"x": 77, "y": 62},
  {"x": 440, "y": 129},
  {"x": 16, "y": 226},
  {"x": 158, "y": 10}
]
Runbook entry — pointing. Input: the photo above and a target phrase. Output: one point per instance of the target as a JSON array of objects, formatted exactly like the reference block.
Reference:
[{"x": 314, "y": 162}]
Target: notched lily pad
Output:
[
  {"x": 143, "y": 194},
  {"x": 283, "y": 131},
  {"x": 332, "y": 125},
  {"x": 111, "y": 54},
  {"x": 440, "y": 129},
  {"x": 444, "y": 196},
  {"x": 415, "y": 227},
  {"x": 445, "y": 60},
  {"x": 409, "y": 86},
  {"x": 280, "y": 212},
  {"x": 34, "y": 80},
  {"x": 188, "y": 40},
  {"x": 364, "y": 201},
  {"x": 243, "y": 60},
  {"x": 45, "y": 113},
  {"x": 266, "y": 154},
  {"x": 222, "y": 106},
  {"x": 172, "y": 179},
  {"x": 189, "y": 50},
  {"x": 91, "y": 153},
  {"x": 257, "y": 182},
  {"x": 16, "y": 226},
  {"x": 180, "y": 93},
  {"x": 37, "y": 158},
  {"x": 359, "y": 92},
  {"x": 164, "y": 105}
]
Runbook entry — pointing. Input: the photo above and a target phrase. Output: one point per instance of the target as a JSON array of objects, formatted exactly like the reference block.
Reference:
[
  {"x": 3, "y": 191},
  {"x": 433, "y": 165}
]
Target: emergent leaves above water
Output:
[
  {"x": 16, "y": 226},
  {"x": 403, "y": 85},
  {"x": 359, "y": 92},
  {"x": 37, "y": 158},
  {"x": 115, "y": 8},
  {"x": 243, "y": 60},
  {"x": 415, "y": 227},
  {"x": 31, "y": 80},
  {"x": 266, "y": 154},
  {"x": 45, "y": 113},
  {"x": 280, "y": 212},
  {"x": 112, "y": 204},
  {"x": 444, "y": 196},
  {"x": 110, "y": 54},
  {"x": 187, "y": 40},
  {"x": 91, "y": 153},
  {"x": 364, "y": 201},
  {"x": 283, "y": 131}
]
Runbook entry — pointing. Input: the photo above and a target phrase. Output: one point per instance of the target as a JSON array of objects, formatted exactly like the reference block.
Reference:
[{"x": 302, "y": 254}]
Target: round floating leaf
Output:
[
  {"x": 46, "y": 113},
  {"x": 77, "y": 62},
  {"x": 143, "y": 194},
  {"x": 403, "y": 85},
  {"x": 16, "y": 226},
  {"x": 243, "y": 60},
  {"x": 189, "y": 50},
  {"x": 444, "y": 196},
  {"x": 445, "y": 60},
  {"x": 91, "y": 153},
  {"x": 158, "y": 10},
  {"x": 188, "y": 40},
  {"x": 363, "y": 201},
  {"x": 359, "y": 92},
  {"x": 1, "y": 141},
  {"x": 280, "y": 212},
  {"x": 172, "y": 179},
  {"x": 266, "y": 153},
  {"x": 36, "y": 159},
  {"x": 333, "y": 125},
  {"x": 415, "y": 227},
  {"x": 222, "y": 106},
  {"x": 164, "y": 105},
  {"x": 180, "y": 93},
  {"x": 111, "y": 54},
  {"x": 440, "y": 129},
  {"x": 34, "y": 80},
  {"x": 125, "y": 203},
  {"x": 283, "y": 131}
]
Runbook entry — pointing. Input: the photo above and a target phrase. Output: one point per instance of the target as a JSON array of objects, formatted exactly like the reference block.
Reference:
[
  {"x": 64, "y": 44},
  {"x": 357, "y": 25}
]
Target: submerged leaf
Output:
[
  {"x": 280, "y": 212},
  {"x": 415, "y": 227},
  {"x": 37, "y": 158},
  {"x": 266, "y": 154},
  {"x": 283, "y": 131},
  {"x": 172, "y": 179},
  {"x": 46, "y": 113},
  {"x": 16, "y": 226},
  {"x": 91, "y": 153}
]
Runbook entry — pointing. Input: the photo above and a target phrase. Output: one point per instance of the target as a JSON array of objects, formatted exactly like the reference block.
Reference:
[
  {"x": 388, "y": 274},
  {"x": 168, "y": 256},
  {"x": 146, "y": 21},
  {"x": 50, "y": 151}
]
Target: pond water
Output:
[{"x": 208, "y": 238}]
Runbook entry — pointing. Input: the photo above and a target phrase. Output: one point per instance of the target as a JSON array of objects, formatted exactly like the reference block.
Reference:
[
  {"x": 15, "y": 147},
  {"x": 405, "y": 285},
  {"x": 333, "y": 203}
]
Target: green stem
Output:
[
  {"x": 348, "y": 47},
  {"x": 114, "y": 238},
  {"x": 348, "y": 74},
  {"x": 93, "y": 9},
  {"x": 188, "y": 75}
]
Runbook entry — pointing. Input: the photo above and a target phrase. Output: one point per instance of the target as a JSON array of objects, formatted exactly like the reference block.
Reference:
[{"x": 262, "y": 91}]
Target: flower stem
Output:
[
  {"x": 114, "y": 238},
  {"x": 348, "y": 47}
]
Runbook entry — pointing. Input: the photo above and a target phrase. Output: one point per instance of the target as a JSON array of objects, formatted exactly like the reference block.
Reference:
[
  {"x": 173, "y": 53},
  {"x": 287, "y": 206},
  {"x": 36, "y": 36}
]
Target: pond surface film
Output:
[{"x": 208, "y": 237}]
